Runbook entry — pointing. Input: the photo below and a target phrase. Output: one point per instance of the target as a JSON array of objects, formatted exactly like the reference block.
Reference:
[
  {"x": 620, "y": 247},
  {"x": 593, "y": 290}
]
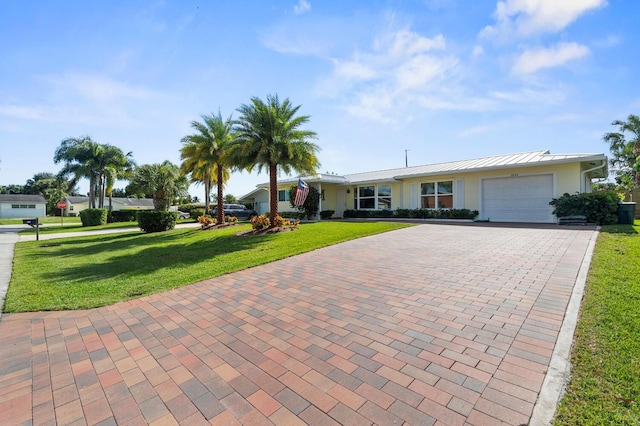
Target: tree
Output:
[
  {"x": 311, "y": 204},
  {"x": 102, "y": 164},
  {"x": 269, "y": 137},
  {"x": 625, "y": 152},
  {"x": 114, "y": 165},
  {"x": 80, "y": 157},
  {"x": 230, "y": 199},
  {"x": 50, "y": 186},
  {"x": 206, "y": 158},
  {"x": 164, "y": 182}
]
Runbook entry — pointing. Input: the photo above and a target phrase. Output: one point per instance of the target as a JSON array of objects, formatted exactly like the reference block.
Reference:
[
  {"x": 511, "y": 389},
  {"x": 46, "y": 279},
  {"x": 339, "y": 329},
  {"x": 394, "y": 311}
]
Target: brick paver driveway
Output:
[{"x": 428, "y": 325}]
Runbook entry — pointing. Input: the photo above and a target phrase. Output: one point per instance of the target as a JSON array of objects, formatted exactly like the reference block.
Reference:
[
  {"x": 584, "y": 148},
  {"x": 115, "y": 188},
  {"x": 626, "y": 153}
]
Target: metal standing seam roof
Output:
[{"x": 524, "y": 159}]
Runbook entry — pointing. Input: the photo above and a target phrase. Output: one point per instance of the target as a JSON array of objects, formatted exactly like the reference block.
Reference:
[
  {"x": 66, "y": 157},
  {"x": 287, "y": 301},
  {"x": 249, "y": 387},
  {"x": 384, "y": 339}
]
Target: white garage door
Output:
[{"x": 518, "y": 199}]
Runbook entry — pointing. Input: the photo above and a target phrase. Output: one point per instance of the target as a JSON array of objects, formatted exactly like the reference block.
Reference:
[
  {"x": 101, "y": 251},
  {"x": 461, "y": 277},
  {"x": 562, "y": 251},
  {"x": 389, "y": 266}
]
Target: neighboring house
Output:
[
  {"x": 22, "y": 206},
  {"x": 76, "y": 204},
  {"x": 503, "y": 188}
]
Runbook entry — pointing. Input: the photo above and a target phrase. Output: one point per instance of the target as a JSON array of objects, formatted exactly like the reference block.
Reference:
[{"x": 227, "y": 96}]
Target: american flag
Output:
[{"x": 301, "y": 193}]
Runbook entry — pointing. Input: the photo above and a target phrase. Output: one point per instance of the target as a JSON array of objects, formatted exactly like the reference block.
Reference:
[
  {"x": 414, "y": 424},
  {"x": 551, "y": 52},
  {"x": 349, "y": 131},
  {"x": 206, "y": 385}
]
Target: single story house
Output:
[
  {"x": 22, "y": 206},
  {"x": 503, "y": 188},
  {"x": 76, "y": 204}
]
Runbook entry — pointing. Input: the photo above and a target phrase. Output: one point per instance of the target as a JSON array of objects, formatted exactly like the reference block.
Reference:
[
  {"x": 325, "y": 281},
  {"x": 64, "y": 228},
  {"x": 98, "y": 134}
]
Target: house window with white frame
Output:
[
  {"x": 436, "y": 195},
  {"x": 372, "y": 197},
  {"x": 283, "y": 195}
]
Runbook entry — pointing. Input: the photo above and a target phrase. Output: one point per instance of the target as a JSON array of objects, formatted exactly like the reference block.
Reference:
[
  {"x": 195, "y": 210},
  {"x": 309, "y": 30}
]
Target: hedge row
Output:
[{"x": 413, "y": 214}]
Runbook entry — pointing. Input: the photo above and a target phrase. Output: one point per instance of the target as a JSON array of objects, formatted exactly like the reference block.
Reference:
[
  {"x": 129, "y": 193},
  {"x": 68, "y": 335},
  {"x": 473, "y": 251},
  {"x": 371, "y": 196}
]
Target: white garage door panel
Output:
[{"x": 518, "y": 199}]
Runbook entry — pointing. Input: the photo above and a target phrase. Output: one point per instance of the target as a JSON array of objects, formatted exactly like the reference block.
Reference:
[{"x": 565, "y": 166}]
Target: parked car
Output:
[
  {"x": 183, "y": 215},
  {"x": 236, "y": 210}
]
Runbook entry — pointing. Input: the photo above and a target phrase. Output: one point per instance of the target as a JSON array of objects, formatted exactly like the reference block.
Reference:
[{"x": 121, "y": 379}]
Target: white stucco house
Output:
[
  {"x": 503, "y": 188},
  {"x": 22, "y": 206}
]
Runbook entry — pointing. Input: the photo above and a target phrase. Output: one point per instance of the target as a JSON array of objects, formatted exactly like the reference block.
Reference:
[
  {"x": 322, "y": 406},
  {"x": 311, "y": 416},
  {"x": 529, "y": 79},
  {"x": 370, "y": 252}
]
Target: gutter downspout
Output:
[{"x": 583, "y": 175}]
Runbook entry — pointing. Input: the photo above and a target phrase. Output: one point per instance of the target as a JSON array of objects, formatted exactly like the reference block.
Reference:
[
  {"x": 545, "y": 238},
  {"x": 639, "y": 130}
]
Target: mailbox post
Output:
[{"x": 34, "y": 224}]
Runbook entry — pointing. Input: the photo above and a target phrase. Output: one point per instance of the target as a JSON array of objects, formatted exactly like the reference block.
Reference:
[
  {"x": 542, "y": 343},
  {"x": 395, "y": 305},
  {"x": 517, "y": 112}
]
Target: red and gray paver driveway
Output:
[{"x": 429, "y": 325}]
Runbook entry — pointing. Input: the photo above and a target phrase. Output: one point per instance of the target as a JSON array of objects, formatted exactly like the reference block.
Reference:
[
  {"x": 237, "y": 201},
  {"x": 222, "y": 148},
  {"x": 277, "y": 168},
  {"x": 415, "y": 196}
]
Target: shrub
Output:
[
  {"x": 292, "y": 215},
  {"x": 326, "y": 214},
  {"x": 260, "y": 222},
  {"x": 206, "y": 221},
  {"x": 311, "y": 205},
  {"x": 414, "y": 214},
  {"x": 124, "y": 215},
  {"x": 230, "y": 219},
  {"x": 600, "y": 207},
  {"x": 93, "y": 217},
  {"x": 156, "y": 221}
]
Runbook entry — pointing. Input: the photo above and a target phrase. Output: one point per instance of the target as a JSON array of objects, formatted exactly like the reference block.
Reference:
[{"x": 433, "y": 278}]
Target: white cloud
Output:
[
  {"x": 477, "y": 51},
  {"x": 302, "y": 7},
  {"x": 609, "y": 41},
  {"x": 400, "y": 68},
  {"x": 529, "y": 17},
  {"x": 531, "y": 61}
]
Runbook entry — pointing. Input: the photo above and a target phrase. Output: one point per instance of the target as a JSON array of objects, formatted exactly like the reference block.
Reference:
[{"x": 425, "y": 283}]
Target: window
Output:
[
  {"x": 23, "y": 206},
  {"x": 373, "y": 197},
  {"x": 436, "y": 195},
  {"x": 283, "y": 195}
]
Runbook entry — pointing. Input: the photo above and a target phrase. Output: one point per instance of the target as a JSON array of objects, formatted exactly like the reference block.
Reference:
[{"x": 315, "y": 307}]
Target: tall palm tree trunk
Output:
[
  {"x": 220, "y": 200},
  {"x": 273, "y": 193},
  {"x": 207, "y": 195}
]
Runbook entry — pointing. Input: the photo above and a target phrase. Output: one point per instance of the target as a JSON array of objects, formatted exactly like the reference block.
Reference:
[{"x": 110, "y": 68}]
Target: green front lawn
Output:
[
  {"x": 604, "y": 388},
  {"x": 87, "y": 272},
  {"x": 48, "y": 219}
]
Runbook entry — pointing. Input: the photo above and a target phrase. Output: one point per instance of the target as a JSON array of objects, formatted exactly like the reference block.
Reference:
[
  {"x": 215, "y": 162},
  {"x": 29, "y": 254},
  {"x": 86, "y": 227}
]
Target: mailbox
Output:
[{"x": 31, "y": 222}]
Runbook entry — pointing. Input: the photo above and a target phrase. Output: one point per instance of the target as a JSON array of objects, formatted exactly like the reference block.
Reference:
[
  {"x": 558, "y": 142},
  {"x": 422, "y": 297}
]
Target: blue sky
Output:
[{"x": 443, "y": 79}]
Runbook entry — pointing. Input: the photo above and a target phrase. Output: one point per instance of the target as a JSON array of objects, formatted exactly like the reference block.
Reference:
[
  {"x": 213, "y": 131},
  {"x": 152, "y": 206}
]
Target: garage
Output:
[{"x": 517, "y": 199}]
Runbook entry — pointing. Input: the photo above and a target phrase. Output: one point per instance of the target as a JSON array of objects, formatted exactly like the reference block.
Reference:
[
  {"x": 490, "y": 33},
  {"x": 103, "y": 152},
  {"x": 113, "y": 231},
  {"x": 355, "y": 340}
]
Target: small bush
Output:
[
  {"x": 206, "y": 221},
  {"x": 124, "y": 215},
  {"x": 292, "y": 215},
  {"x": 260, "y": 222},
  {"x": 156, "y": 221},
  {"x": 231, "y": 219},
  {"x": 326, "y": 214},
  {"x": 599, "y": 207},
  {"x": 93, "y": 217}
]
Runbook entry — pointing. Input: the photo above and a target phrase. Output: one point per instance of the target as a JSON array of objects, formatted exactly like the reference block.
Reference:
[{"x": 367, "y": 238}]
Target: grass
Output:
[
  {"x": 605, "y": 378},
  {"x": 87, "y": 272},
  {"x": 77, "y": 227},
  {"x": 46, "y": 220}
]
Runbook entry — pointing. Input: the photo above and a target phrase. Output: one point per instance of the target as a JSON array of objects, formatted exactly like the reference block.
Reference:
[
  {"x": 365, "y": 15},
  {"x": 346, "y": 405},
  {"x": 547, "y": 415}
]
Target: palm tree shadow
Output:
[{"x": 163, "y": 252}]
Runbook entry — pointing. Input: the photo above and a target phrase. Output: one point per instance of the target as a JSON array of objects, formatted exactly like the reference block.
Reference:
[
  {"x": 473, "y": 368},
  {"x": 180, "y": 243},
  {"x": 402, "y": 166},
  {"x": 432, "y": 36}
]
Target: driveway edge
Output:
[{"x": 559, "y": 369}]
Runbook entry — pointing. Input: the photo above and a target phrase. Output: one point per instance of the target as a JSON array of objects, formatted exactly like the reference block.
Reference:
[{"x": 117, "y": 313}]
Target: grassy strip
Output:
[
  {"x": 604, "y": 388},
  {"x": 87, "y": 272},
  {"x": 48, "y": 219},
  {"x": 77, "y": 227}
]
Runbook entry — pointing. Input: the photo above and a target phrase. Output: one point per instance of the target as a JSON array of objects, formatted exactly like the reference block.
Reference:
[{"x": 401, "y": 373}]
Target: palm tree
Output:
[
  {"x": 269, "y": 137},
  {"x": 117, "y": 165},
  {"x": 164, "y": 182},
  {"x": 626, "y": 153},
  {"x": 205, "y": 156},
  {"x": 80, "y": 157}
]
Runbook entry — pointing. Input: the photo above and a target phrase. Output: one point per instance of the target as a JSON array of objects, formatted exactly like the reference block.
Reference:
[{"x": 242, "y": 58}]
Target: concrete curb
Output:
[{"x": 559, "y": 369}]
